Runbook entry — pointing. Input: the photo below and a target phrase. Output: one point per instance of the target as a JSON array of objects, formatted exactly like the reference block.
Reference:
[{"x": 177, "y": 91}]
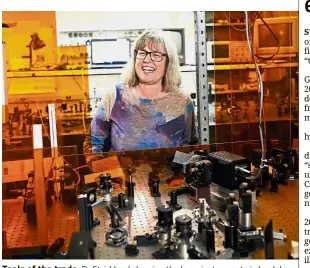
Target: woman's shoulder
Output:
[
  {"x": 114, "y": 91},
  {"x": 111, "y": 94},
  {"x": 180, "y": 96},
  {"x": 182, "y": 100}
]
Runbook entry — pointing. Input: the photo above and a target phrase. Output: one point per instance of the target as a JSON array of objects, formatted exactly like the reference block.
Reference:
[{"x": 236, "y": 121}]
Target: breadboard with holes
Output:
[{"x": 63, "y": 220}]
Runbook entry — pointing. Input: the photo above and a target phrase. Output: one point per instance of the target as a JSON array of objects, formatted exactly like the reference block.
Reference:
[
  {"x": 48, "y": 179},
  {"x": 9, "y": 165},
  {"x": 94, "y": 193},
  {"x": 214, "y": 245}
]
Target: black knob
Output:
[
  {"x": 184, "y": 226},
  {"x": 165, "y": 216}
]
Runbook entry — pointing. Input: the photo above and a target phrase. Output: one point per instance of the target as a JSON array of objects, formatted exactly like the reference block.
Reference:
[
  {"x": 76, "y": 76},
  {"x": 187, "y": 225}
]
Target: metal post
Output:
[
  {"x": 202, "y": 79},
  {"x": 52, "y": 124},
  {"x": 83, "y": 213},
  {"x": 40, "y": 185},
  {"x": 5, "y": 109},
  {"x": 54, "y": 147}
]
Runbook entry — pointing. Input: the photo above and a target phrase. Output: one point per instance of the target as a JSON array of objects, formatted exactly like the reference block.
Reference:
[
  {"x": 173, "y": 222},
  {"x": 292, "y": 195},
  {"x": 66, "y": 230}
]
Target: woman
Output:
[{"x": 146, "y": 110}]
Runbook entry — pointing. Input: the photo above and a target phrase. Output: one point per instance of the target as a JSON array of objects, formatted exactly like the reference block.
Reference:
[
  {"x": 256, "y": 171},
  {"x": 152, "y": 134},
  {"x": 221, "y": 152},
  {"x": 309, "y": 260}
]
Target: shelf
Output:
[
  {"x": 251, "y": 66},
  {"x": 63, "y": 133},
  {"x": 234, "y": 91},
  {"x": 211, "y": 24},
  {"x": 190, "y": 68},
  {"x": 24, "y": 74},
  {"x": 57, "y": 101},
  {"x": 88, "y": 116},
  {"x": 211, "y": 123},
  {"x": 55, "y": 73}
]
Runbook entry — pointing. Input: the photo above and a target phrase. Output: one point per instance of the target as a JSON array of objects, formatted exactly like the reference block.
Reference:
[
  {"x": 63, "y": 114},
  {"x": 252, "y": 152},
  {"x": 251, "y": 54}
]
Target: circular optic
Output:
[{"x": 91, "y": 197}]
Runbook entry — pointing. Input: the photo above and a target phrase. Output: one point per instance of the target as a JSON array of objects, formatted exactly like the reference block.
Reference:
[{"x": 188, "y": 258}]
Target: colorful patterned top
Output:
[{"x": 132, "y": 124}]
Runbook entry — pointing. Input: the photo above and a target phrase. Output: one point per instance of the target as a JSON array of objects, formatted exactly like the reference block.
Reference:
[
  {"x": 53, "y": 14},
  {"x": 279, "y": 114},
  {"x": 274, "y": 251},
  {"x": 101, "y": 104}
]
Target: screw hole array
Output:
[{"x": 62, "y": 220}]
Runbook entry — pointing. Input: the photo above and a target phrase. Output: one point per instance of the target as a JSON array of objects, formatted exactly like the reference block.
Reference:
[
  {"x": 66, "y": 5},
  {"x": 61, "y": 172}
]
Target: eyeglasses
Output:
[{"x": 155, "y": 56}]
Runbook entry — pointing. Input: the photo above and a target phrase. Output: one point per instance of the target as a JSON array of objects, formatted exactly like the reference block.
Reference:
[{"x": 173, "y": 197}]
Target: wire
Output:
[
  {"x": 254, "y": 18},
  {"x": 233, "y": 26},
  {"x": 238, "y": 29},
  {"x": 261, "y": 92},
  {"x": 274, "y": 36},
  {"x": 263, "y": 110},
  {"x": 85, "y": 166}
]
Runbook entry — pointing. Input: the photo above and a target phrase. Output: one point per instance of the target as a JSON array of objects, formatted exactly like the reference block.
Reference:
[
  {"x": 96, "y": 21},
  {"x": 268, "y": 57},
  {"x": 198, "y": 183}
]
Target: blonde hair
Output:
[{"x": 172, "y": 78}]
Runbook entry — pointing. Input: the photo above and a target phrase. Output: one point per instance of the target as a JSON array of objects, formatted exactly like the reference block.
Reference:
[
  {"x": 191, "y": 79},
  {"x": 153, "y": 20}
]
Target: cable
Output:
[
  {"x": 277, "y": 40},
  {"x": 254, "y": 18},
  {"x": 238, "y": 29},
  {"x": 233, "y": 26},
  {"x": 263, "y": 110},
  {"x": 261, "y": 93},
  {"x": 85, "y": 166}
]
